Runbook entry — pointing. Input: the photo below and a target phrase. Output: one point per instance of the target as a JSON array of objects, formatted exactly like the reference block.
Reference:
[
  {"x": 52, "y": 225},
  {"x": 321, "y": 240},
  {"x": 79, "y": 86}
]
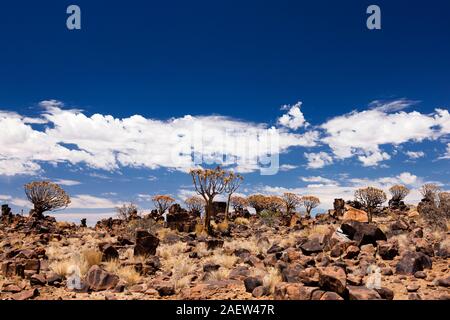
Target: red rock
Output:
[
  {"x": 146, "y": 243},
  {"x": 362, "y": 293},
  {"x": 99, "y": 279},
  {"x": 332, "y": 279},
  {"x": 25, "y": 295},
  {"x": 331, "y": 296}
]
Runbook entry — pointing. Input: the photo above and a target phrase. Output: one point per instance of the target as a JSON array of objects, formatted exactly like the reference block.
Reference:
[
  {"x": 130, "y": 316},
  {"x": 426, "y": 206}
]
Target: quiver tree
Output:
[
  {"x": 398, "y": 192},
  {"x": 309, "y": 202},
  {"x": 258, "y": 202},
  {"x": 232, "y": 183},
  {"x": 371, "y": 198},
  {"x": 127, "y": 211},
  {"x": 46, "y": 196},
  {"x": 208, "y": 183},
  {"x": 195, "y": 204},
  {"x": 238, "y": 203},
  {"x": 291, "y": 202},
  {"x": 430, "y": 192},
  {"x": 274, "y": 203},
  {"x": 162, "y": 202}
]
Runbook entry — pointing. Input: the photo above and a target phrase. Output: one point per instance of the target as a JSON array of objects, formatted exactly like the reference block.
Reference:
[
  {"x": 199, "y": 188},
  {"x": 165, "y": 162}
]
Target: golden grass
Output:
[
  {"x": 319, "y": 229},
  {"x": 83, "y": 262},
  {"x": 271, "y": 278},
  {"x": 182, "y": 283},
  {"x": 241, "y": 221},
  {"x": 126, "y": 273},
  {"x": 223, "y": 226},
  {"x": 167, "y": 251},
  {"x": 223, "y": 260},
  {"x": 202, "y": 251},
  {"x": 218, "y": 275},
  {"x": 129, "y": 275},
  {"x": 164, "y": 232},
  {"x": 250, "y": 244}
]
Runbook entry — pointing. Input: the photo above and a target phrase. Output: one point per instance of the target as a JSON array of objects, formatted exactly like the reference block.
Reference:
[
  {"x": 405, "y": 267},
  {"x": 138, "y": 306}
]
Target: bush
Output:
[{"x": 268, "y": 217}]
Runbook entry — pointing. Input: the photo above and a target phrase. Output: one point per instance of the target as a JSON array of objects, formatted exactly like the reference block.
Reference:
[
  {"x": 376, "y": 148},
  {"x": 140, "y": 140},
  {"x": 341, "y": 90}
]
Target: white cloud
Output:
[
  {"x": 287, "y": 167},
  {"x": 363, "y": 133},
  {"x": 392, "y": 105},
  {"x": 85, "y": 201},
  {"x": 447, "y": 154},
  {"x": 318, "y": 160},
  {"x": 415, "y": 154},
  {"x": 319, "y": 180},
  {"x": 105, "y": 142},
  {"x": 66, "y": 182},
  {"x": 19, "y": 202},
  {"x": 294, "y": 118},
  {"x": 373, "y": 158}
]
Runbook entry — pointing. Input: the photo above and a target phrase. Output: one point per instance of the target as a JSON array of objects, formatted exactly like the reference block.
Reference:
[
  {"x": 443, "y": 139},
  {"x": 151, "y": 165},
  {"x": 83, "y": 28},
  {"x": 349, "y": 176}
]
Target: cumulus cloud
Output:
[
  {"x": 319, "y": 180},
  {"x": 363, "y": 133},
  {"x": 392, "y": 105},
  {"x": 104, "y": 142},
  {"x": 294, "y": 118},
  {"x": 66, "y": 182},
  {"x": 85, "y": 201},
  {"x": 447, "y": 153},
  {"x": 415, "y": 154},
  {"x": 318, "y": 160},
  {"x": 287, "y": 167},
  {"x": 19, "y": 202}
]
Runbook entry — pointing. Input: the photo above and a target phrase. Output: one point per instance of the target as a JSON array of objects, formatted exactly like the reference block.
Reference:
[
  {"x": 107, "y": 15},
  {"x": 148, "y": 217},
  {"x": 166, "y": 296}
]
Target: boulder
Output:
[
  {"x": 293, "y": 291},
  {"x": 312, "y": 246},
  {"x": 331, "y": 296},
  {"x": 400, "y": 225},
  {"x": 363, "y": 233},
  {"x": 99, "y": 279},
  {"x": 26, "y": 295},
  {"x": 309, "y": 277},
  {"x": 146, "y": 243},
  {"x": 260, "y": 291},
  {"x": 362, "y": 293},
  {"x": 251, "y": 283},
  {"x": 411, "y": 262},
  {"x": 109, "y": 253},
  {"x": 292, "y": 273},
  {"x": 352, "y": 214},
  {"x": 212, "y": 244},
  {"x": 332, "y": 279},
  {"x": 444, "y": 282},
  {"x": 385, "y": 293},
  {"x": 387, "y": 250},
  {"x": 164, "y": 288},
  {"x": 351, "y": 252}
]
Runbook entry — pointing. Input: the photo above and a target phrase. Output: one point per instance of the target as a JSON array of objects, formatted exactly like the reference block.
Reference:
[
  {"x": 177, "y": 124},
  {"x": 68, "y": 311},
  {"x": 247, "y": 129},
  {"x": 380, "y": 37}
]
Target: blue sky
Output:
[{"x": 353, "y": 107}]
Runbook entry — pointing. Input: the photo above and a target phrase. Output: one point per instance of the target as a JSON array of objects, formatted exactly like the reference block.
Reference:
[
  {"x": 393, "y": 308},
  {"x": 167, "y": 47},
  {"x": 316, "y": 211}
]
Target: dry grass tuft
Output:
[
  {"x": 271, "y": 279},
  {"x": 223, "y": 260},
  {"x": 218, "y": 275},
  {"x": 241, "y": 221},
  {"x": 223, "y": 226},
  {"x": 129, "y": 275}
]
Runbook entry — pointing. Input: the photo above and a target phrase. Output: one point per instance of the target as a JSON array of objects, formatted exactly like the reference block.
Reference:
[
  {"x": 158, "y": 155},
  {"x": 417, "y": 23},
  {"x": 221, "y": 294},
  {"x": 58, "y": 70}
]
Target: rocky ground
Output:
[{"x": 322, "y": 258}]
